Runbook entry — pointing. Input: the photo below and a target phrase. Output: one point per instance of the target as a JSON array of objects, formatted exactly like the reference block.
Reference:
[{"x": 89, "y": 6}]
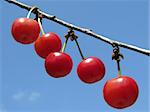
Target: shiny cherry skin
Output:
[
  {"x": 120, "y": 92},
  {"x": 91, "y": 70},
  {"x": 47, "y": 43},
  {"x": 25, "y": 30},
  {"x": 58, "y": 64}
]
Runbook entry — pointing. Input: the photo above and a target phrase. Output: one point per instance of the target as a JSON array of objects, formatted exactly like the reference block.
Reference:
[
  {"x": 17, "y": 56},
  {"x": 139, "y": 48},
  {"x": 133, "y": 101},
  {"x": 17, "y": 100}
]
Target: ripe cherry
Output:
[
  {"x": 120, "y": 92},
  {"x": 58, "y": 64},
  {"x": 47, "y": 43},
  {"x": 91, "y": 70},
  {"x": 25, "y": 30}
]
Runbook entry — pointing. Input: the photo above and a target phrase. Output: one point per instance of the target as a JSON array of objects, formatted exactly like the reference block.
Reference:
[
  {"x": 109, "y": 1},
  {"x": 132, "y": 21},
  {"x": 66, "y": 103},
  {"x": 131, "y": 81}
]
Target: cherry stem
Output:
[
  {"x": 81, "y": 54},
  {"x": 39, "y": 21},
  {"x": 64, "y": 46},
  {"x": 29, "y": 13},
  {"x": 119, "y": 70}
]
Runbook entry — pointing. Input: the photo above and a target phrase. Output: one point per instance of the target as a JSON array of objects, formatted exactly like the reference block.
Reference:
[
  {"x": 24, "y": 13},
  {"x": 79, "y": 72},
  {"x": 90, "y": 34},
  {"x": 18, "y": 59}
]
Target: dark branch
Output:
[{"x": 83, "y": 30}]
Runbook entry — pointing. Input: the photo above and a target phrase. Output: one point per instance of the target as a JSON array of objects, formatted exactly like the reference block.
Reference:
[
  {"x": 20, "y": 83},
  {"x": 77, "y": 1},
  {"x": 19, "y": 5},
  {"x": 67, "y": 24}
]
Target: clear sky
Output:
[{"x": 24, "y": 84}]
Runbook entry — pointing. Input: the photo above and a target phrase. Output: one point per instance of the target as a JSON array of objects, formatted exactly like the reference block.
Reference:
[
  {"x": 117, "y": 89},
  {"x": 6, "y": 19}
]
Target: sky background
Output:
[{"x": 24, "y": 83}]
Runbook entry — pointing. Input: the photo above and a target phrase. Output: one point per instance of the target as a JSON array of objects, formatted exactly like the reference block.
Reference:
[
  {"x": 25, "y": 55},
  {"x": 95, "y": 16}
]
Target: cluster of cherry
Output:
[{"x": 119, "y": 92}]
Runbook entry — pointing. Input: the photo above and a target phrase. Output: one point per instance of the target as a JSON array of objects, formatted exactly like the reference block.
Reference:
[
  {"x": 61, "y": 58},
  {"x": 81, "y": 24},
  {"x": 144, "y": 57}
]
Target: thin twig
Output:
[{"x": 83, "y": 30}]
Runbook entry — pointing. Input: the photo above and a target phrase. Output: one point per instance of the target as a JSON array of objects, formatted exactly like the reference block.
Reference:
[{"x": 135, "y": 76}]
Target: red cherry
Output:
[
  {"x": 91, "y": 70},
  {"x": 25, "y": 30},
  {"x": 58, "y": 64},
  {"x": 120, "y": 92},
  {"x": 46, "y": 44}
]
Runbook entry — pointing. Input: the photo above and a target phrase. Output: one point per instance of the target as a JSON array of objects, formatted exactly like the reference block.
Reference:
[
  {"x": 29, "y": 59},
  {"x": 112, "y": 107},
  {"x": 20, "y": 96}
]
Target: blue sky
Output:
[{"x": 24, "y": 84}]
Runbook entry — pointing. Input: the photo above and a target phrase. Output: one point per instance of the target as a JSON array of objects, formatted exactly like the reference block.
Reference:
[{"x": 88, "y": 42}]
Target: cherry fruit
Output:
[
  {"x": 91, "y": 70},
  {"x": 25, "y": 30},
  {"x": 47, "y": 43},
  {"x": 120, "y": 92},
  {"x": 58, "y": 64}
]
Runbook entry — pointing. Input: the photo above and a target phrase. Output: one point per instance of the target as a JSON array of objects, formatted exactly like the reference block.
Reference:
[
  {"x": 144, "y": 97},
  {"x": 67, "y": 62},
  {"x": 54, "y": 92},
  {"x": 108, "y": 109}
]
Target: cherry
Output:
[
  {"x": 120, "y": 92},
  {"x": 25, "y": 30},
  {"x": 91, "y": 70},
  {"x": 58, "y": 64},
  {"x": 47, "y": 43}
]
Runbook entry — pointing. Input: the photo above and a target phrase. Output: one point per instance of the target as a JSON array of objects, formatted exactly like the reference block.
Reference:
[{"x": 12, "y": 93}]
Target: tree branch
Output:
[{"x": 83, "y": 30}]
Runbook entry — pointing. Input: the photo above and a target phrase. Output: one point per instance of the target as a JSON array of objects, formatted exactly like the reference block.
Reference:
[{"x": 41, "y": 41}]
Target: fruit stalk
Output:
[
  {"x": 42, "y": 30},
  {"x": 119, "y": 70},
  {"x": 64, "y": 46},
  {"x": 29, "y": 13},
  {"x": 79, "y": 49}
]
